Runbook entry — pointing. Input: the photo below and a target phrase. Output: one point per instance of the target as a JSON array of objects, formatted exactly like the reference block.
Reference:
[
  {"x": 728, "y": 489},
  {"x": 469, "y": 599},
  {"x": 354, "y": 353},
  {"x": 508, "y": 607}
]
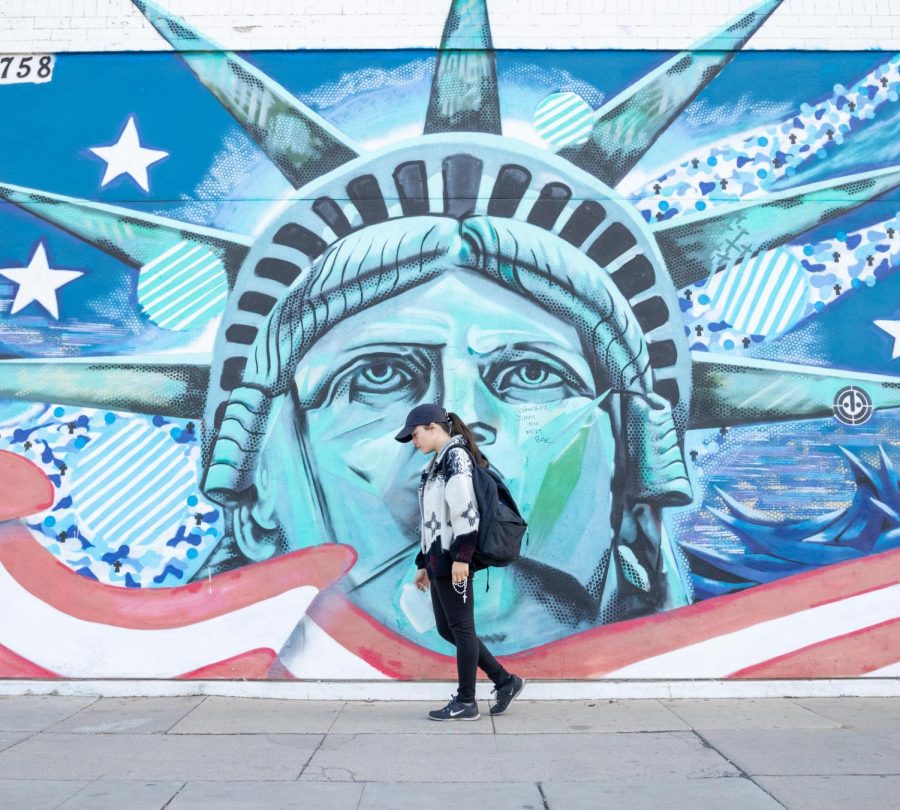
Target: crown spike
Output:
[
  {"x": 464, "y": 96},
  {"x": 302, "y": 144},
  {"x": 693, "y": 248},
  {"x": 729, "y": 391},
  {"x": 628, "y": 125},
  {"x": 149, "y": 385},
  {"x": 131, "y": 236}
]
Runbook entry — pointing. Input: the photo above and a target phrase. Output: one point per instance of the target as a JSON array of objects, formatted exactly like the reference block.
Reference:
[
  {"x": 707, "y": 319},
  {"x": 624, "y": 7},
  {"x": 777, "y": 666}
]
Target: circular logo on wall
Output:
[{"x": 852, "y": 406}]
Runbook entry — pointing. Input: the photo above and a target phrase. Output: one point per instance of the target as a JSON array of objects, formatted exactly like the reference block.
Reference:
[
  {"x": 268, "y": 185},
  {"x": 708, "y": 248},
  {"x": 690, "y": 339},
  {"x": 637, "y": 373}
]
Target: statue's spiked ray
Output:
[
  {"x": 696, "y": 247},
  {"x": 131, "y": 236},
  {"x": 160, "y": 386},
  {"x": 464, "y": 95},
  {"x": 302, "y": 144},
  {"x": 726, "y": 391},
  {"x": 729, "y": 391},
  {"x": 629, "y": 124}
]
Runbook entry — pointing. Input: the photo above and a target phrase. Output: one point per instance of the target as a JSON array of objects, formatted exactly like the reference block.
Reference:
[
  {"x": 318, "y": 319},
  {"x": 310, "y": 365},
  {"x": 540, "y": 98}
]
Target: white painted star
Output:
[
  {"x": 38, "y": 282},
  {"x": 893, "y": 329},
  {"x": 127, "y": 156}
]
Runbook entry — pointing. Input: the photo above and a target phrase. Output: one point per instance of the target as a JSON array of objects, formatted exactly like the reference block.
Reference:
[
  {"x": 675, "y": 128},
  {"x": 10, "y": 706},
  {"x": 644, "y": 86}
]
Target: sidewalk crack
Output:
[
  {"x": 544, "y": 803},
  {"x": 306, "y": 764},
  {"x": 96, "y": 700},
  {"x": 187, "y": 714},
  {"x": 796, "y": 702},
  {"x": 19, "y": 742},
  {"x": 172, "y": 797},
  {"x": 741, "y": 772},
  {"x": 78, "y": 792},
  {"x": 336, "y": 716}
]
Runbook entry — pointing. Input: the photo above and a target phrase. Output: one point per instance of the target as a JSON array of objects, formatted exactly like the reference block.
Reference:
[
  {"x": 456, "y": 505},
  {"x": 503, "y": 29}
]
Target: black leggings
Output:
[{"x": 456, "y": 623}]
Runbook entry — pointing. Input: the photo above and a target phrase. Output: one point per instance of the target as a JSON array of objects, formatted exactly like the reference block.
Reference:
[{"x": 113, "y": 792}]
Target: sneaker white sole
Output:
[{"x": 444, "y": 719}]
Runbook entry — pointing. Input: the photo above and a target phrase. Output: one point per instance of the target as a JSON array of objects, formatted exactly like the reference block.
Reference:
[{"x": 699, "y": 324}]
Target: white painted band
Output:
[
  {"x": 438, "y": 690},
  {"x": 719, "y": 657}
]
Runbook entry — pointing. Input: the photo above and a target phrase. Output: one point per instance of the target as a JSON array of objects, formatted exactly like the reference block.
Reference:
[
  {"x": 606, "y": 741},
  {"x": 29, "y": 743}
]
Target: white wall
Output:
[{"x": 35, "y": 26}]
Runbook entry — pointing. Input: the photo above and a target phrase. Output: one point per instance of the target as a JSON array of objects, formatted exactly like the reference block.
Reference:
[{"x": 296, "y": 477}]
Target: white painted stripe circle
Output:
[
  {"x": 563, "y": 119},
  {"x": 183, "y": 287},
  {"x": 133, "y": 487},
  {"x": 763, "y": 295}
]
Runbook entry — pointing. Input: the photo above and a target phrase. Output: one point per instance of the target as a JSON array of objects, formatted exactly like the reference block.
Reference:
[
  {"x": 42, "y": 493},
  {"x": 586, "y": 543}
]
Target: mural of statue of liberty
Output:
[
  {"x": 520, "y": 333},
  {"x": 515, "y": 286}
]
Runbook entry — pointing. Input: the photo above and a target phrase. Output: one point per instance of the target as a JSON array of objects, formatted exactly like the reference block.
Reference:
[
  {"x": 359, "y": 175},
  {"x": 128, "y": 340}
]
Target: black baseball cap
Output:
[{"x": 421, "y": 415}]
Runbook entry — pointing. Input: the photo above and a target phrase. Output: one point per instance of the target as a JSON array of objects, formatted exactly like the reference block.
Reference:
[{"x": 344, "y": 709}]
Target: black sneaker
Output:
[
  {"x": 455, "y": 710},
  {"x": 507, "y": 693}
]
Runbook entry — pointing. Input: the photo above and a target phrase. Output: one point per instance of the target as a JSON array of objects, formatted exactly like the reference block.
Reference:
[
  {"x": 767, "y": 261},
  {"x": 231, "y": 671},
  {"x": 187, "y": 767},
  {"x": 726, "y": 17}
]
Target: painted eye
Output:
[
  {"x": 530, "y": 379},
  {"x": 533, "y": 373},
  {"x": 381, "y": 376},
  {"x": 378, "y": 379},
  {"x": 529, "y": 374},
  {"x": 379, "y": 373}
]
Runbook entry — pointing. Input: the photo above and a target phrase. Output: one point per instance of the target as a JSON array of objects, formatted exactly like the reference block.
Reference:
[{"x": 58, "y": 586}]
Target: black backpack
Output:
[{"x": 500, "y": 524}]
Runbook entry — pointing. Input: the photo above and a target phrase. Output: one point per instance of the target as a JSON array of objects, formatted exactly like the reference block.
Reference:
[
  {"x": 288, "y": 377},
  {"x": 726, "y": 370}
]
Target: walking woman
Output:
[{"x": 449, "y": 529}]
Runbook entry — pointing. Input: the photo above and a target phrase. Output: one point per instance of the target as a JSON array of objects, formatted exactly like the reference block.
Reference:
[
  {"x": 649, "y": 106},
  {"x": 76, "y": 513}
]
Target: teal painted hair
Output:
[{"x": 381, "y": 261}]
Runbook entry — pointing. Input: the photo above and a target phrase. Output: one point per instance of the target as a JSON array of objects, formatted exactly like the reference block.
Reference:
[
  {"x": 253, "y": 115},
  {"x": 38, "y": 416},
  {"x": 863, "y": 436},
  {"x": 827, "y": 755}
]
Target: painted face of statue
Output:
[
  {"x": 528, "y": 383},
  {"x": 517, "y": 376}
]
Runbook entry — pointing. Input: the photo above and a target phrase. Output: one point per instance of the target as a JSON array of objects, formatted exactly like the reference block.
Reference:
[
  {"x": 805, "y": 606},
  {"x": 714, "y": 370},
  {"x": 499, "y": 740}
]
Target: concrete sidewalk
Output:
[{"x": 217, "y": 752}]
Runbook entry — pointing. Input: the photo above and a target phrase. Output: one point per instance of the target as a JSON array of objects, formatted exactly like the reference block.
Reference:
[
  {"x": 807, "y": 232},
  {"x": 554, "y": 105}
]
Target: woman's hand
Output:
[
  {"x": 421, "y": 579},
  {"x": 459, "y": 572}
]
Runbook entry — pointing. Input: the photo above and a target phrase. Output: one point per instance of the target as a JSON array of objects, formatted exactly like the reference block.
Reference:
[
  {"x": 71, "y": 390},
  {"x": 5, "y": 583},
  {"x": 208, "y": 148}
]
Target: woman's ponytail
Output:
[{"x": 460, "y": 428}]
